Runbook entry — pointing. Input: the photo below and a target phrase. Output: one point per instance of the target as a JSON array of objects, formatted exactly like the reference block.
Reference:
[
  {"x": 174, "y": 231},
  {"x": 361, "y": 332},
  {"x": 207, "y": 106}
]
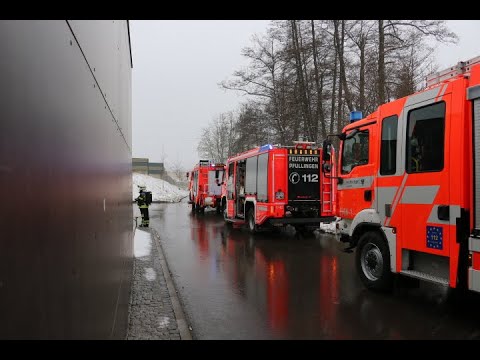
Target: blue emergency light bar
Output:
[
  {"x": 265, "y": 147},
  {"x": 355, "y": 116}
]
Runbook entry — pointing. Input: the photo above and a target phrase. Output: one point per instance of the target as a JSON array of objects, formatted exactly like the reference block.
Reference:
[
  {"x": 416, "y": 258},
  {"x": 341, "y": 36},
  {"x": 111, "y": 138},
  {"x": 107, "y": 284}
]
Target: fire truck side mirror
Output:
[
  {"x": 351, "y": 134},
  {"x": 187, "y": 175}
]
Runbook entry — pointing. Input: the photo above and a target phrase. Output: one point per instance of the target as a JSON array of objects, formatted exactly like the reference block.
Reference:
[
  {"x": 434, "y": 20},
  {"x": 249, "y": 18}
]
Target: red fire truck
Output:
[
  {"x": 205, "y": 186},
  {"x": 275, "y": 185},
  {"x": 409, "y": 185}
]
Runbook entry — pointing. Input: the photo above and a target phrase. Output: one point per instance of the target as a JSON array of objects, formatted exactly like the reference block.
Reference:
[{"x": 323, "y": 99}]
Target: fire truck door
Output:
[
  {"x": 423, "y": 197},
  {"x": 231, "y": 191},
  {"x": 355, "y": 192}
]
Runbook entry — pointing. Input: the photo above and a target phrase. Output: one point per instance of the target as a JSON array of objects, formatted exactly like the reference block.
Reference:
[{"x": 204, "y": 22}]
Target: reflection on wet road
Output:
[{"x": 277, "y": 286}]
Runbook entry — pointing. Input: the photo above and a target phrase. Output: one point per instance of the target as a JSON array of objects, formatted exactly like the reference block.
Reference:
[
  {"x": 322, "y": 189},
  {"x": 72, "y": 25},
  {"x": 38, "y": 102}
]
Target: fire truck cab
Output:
[
  {"x": 409, "y": 184},
  {"x": 275, "y": 185},
  {"x": 205, "y": 187}
]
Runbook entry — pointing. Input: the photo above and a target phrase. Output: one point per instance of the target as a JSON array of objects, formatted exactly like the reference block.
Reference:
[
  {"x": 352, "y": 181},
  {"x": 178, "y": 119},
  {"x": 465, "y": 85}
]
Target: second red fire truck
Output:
[
  {"x": 205, "y": 186},
  {"x": 409, "y": 184},
  {"x": 275, "y": 185}
]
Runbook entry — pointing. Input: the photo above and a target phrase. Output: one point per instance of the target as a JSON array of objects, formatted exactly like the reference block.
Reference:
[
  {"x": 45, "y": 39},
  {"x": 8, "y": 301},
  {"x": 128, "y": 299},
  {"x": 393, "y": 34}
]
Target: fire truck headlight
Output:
[{"x": 279, "y": 195}]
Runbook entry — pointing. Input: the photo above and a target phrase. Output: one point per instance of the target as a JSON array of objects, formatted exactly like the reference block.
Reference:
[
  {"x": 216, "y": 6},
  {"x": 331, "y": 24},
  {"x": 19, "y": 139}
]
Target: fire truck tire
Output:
[
  {"x": 193, "y": 207},
  {"x": 373, "y": 262},
  {"x": 252, "y": 227}
]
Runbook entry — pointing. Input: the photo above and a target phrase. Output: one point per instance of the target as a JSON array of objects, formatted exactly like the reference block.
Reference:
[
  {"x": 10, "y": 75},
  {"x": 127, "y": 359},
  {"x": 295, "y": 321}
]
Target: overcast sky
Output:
[{"x": 178, "y": 64}]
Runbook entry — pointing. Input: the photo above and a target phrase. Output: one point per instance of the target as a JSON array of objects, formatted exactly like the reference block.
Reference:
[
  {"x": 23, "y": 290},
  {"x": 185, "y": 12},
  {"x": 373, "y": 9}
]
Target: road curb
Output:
[
  {"x": 131, "y": 285},
  {"x": 180, "y": 317}
]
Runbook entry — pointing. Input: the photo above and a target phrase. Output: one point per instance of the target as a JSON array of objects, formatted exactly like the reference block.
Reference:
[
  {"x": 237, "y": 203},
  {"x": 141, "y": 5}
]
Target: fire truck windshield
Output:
[{"x": 355, "y": 151}]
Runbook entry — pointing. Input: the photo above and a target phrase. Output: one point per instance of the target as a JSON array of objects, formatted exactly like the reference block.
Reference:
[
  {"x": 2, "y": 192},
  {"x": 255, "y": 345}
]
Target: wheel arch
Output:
[{"x": 364, "y": 227}]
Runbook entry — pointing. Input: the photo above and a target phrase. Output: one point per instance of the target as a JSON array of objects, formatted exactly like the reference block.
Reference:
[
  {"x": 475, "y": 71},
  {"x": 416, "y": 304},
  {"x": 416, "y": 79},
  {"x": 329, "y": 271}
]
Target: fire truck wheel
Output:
[
  {"x": 252, "y": 227},
  {"x": 373, "y": 262},
  {"x": 193, "y": 207}
]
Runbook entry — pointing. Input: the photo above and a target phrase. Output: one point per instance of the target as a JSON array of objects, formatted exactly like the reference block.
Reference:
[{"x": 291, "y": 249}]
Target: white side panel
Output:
[
  {"x": 474, "y": 244},
  {"x": 213, "y": 187},
  {"x": 392, "y": 246},
  {"x": 365, "y": 216},
  {"x": 474, "y": 280}
]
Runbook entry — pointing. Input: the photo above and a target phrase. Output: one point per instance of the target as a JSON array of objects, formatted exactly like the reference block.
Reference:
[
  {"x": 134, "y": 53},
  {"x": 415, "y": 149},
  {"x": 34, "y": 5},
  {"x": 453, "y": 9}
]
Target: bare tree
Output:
[
  {"x": 218, "y": 139},
  {"x": 304, "y": 75},
  {"x": 163, "y": 155},
  {"x": 360, "y": 33},
  {"x": 250, "y": 127},
  {"x": 319, "y": 74},
  {"x": 178, "y": 170},
  {"x": 396, "y": 35},
  {"x": 333, "y": 103},
  {"x": 340, "y": 46}
]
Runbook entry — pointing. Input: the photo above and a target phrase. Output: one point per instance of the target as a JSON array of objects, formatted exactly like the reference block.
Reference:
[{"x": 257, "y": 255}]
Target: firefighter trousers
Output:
[{"x": 145, "y": 218}]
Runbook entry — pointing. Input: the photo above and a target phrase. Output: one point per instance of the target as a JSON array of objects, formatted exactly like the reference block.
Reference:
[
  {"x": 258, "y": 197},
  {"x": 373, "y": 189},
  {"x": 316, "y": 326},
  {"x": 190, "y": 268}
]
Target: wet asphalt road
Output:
[{"x": 278, "y": 286}]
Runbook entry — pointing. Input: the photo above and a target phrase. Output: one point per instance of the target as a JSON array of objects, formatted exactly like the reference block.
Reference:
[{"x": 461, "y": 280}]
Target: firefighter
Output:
[
  {"x": 417, "y": 153},
  {"x": 143, "y": 205}
]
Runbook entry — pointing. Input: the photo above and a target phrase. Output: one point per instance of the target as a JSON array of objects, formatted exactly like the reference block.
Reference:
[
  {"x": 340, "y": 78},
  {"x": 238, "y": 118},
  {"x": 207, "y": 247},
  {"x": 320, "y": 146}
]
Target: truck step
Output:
[{"x": 424, "y": 276}]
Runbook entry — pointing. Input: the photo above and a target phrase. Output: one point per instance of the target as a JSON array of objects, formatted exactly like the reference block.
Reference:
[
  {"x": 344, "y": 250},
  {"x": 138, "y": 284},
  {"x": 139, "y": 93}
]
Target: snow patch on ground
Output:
[
  {"x": 142, "y": 244},
  {"x": 150, "y": 274},
  {"x": 328, "y": 227},
  {"x": 161, "y": 190},
  {"x": 163, "y": 322}
]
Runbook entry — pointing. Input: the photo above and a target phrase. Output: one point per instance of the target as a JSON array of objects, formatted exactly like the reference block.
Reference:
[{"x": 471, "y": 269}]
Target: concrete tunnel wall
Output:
[{"x": 66, "y": 235}]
